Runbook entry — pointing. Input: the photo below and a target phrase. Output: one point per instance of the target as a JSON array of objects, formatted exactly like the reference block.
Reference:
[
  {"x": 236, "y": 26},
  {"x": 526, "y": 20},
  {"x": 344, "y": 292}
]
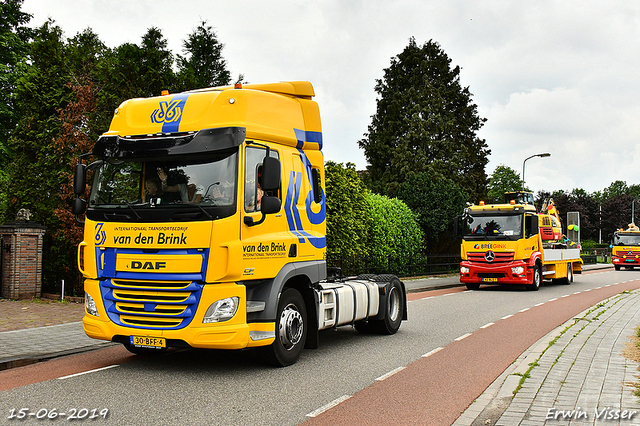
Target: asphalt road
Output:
[{"x": 354, "y": 372}]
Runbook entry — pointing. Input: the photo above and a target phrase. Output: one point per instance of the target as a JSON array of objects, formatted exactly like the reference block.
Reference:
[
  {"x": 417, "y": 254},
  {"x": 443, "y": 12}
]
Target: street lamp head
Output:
[{"x": 546, "y": 154}]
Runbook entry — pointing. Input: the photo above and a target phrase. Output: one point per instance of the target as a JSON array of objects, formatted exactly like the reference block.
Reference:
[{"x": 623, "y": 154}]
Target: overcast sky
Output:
[{"x": 549, "y": 76}]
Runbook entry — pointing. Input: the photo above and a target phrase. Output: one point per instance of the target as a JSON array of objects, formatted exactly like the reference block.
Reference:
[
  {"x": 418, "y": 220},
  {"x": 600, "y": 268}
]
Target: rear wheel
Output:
[
  {"x": 291, "y": 331},
  {"x": 537, "y": 279},
  {"x": 569, "y": 278},
  {"x": 394, "y": 308}
]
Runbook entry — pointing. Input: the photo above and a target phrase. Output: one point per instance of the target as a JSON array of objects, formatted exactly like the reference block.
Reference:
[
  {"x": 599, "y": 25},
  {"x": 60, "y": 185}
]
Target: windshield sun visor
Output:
[{"x": 169, "y": 145}]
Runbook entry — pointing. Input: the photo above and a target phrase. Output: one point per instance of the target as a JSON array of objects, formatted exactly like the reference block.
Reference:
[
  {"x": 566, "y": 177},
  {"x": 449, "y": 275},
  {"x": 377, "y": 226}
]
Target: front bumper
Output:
[
  {"x": 494, "y": 273},
  {"x": 232, "y": 334}
]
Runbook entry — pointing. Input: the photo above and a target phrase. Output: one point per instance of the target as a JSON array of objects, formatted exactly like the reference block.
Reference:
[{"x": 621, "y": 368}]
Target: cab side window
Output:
[{"x": 253, "y": 172}]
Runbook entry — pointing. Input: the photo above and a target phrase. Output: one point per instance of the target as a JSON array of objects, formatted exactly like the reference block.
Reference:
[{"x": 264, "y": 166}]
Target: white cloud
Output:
[{"x": 552, "y": 75}]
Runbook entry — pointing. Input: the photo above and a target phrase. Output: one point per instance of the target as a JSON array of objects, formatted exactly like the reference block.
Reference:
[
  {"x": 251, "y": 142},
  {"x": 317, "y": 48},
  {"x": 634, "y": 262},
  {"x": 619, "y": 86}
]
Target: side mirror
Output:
[
  {"x": 79, "y": 206},
  {"x": 79, "y": 180},
  {"x": 270, "y": 174},
  {"x": 270, "y": 205}
]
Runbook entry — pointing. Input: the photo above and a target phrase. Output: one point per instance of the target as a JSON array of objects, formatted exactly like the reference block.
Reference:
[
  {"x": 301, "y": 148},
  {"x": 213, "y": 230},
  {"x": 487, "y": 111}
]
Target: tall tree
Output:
[
  {"x": 503, "y": 179},
  {"x": 203, "y": 64},
  {"x": 14, "y": 38},
  {"x": 425, "y": 121},
  {"x": 157, "y": 64}
]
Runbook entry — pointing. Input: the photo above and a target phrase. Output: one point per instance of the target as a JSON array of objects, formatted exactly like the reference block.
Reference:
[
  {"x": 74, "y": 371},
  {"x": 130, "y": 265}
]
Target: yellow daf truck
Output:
[
  {"x": 512, "y": 243},
  {"x": 625, "y": 247},
  {"x": 205, "y": 227}
]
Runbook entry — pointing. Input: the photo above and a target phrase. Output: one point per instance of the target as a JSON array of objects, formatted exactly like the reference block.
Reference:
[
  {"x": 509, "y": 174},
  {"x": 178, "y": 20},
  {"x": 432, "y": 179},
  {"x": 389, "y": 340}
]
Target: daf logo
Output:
[
  {"x": 489, "y": 256},
  {"x": 630, "y": 252},
  {"x": 148, "y": 265}
]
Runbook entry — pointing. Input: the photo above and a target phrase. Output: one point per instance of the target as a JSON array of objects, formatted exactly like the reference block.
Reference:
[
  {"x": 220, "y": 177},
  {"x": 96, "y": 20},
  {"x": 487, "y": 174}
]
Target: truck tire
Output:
[
  {"x": 616, "y": 267},
  {"x": 394, "y": 307},
  {"x": 569, "y": 279},
  {"x": 537, "y": 279},
  {"x": 473, "y": 286},
  {"x": 291, "y": 331}
]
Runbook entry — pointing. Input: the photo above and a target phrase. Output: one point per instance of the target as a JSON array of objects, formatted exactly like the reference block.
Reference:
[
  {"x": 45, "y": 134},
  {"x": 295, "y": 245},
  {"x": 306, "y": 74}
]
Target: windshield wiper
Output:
[{"x": 130, "y": 205}]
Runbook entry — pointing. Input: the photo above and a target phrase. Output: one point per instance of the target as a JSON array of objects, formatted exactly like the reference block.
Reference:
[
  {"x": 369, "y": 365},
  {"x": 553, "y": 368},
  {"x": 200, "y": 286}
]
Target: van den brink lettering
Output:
[{"x": 149, "y": 239}]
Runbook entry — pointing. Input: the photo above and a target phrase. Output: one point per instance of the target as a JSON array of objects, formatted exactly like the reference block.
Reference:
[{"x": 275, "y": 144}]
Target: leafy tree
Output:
[
  {"x": 436, "y": 202},
  {"x": 616, "y": 188},
  {"x": 203, "y": 64},
  {"x": 156, "y": 64},
  {"x": 347, "y": 210},
  {"x": 503, "y": 179},
  {"x": 425, "y": 121},
  {"x": 14, "y": 38},
  {"x": 34, "y": 174}
]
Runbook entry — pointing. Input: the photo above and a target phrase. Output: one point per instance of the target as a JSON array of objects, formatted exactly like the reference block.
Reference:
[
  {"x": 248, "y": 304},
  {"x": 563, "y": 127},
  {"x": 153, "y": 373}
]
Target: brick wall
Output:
[{"x": 21, "y": 260}]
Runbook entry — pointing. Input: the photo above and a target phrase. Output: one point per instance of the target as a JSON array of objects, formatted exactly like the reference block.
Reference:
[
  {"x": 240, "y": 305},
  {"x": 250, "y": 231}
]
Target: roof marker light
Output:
[
  {"x": 164, "y": 93},
  {"x": 237, "y": 86}
]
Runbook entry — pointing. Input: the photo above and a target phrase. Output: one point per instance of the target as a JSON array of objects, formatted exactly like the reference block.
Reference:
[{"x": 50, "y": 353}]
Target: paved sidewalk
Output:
[{"x": 577, "y": 375}]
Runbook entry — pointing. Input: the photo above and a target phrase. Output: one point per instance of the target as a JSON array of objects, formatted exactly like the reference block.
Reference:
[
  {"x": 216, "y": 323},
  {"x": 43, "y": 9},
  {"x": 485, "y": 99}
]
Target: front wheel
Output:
[
  {"x": 473, "y": 286},
  {"x": 291, "y": 331},
  {"x": 537, "y": 279},
  {"x": 617, "y": 267}
]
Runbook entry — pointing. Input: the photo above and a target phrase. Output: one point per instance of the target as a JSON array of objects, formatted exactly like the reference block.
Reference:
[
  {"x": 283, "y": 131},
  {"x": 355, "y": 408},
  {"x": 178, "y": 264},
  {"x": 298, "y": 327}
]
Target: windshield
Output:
[
  {"x": 626, "y": 240},
  {"x": 205, "y": 182},
  {"x": 505, "y": 226}
]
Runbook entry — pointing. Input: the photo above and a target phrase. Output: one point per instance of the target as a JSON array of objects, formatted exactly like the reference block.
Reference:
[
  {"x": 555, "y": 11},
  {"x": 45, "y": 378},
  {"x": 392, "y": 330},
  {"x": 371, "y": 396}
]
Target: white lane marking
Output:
[
  {"x": 566, "y": 295},
  {"x": 432, "y": 352},
  {"x": 551, "y": 300},
  {"x": 487, "y": 325},
  {"x": 539, "y": 304},
  {"x": 328, "y": 406},
  {"x": 390, "y": 373},
  {"x": 507, "y": 316},
  {"x": 523, "y": 310},
  {"x": 87, "y": 372},
  {"x": 464, "y": 336}
]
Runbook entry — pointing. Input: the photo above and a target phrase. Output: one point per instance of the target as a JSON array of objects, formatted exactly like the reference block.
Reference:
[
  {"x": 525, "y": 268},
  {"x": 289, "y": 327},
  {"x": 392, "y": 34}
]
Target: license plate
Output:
[
  {"x": 489, "y": 280},
  {"x": 630, "y": 260},
  {"x": 148, "y": 342}
]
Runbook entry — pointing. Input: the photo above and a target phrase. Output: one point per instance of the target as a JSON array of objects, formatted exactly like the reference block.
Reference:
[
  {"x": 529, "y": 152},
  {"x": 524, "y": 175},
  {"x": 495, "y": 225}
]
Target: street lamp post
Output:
[{"x": 544, "y": 154}]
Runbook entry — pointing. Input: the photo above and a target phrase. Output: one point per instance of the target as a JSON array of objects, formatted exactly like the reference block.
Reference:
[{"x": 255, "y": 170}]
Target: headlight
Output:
[
  {"x": 518, "y": 270},
  {"x": 464, "y": 270},
  {"x": 221, "y": 310},
  {"x": 90, "y": 305}
]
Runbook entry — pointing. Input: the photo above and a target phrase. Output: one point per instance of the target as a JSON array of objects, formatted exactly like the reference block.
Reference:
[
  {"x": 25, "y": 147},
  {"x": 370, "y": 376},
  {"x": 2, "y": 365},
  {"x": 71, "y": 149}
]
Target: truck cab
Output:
[{"x": 625, "y": 248}]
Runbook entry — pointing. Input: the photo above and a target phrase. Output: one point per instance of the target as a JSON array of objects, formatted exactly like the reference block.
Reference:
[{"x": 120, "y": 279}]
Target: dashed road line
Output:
[
  {"x": 464, "y": 336},
  {"x": 428, "y": 354},
  {"x": 328, "y": 406},
  {"x": 87, "y": 372},
  {"x": 390, "y": 373}
]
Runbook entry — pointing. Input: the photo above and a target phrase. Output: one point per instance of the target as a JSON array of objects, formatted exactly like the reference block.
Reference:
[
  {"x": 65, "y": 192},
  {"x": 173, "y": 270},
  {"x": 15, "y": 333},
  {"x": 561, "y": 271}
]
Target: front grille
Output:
[
  {"x": 151, "y": 304},
  {"x": 500, "y": 257}
]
